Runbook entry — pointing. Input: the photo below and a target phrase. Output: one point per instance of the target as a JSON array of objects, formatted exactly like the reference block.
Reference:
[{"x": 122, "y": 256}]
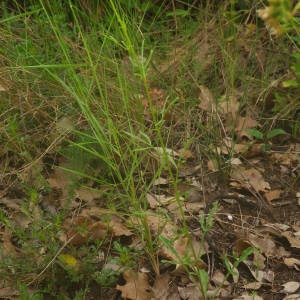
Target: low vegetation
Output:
[{"x": 150, "y": 149}]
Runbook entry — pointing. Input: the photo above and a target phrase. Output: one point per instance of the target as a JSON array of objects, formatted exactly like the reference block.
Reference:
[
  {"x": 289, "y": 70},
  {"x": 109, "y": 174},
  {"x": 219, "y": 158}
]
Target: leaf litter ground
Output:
[{"x": 257, "y": 208}]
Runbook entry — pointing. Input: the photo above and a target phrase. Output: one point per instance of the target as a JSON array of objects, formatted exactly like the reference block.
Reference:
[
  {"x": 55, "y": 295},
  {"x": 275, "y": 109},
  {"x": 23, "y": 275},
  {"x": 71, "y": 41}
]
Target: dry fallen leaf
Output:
[
  {"x": 117, "y": 227},
  {"x": 231, "y": 106},
  {"x": 160, "y": 151},
  {"x": 87, "y": 195},
  {"x": 160, "y": 181},
  {"x": 235, "y": 161},
  {"x": 212, "y": 165},
  {"x": 245, "y": 123},
  {"x": 84, "y": 229},
  {"x": 256, "y": 180},
  {"x": 95, "y": 223},
  {"x": 240, "y": 245},
  {"x": 179, "y": 246},
  {"x": 190, "y": 292},
  {"x": 269, "y": 276},
  {"x": 223, "y": 293},
  {"x": 167, "y": 230},
  {"x": 194, "y": 207},
  {"x": 218, "y": 278},
  {"x": 281, "y": 252},
  {"x": 152, "y": 201},
  {"x": 298, "y": 197},
  {"x": 285, "y": 159},
  {"x": 250, "y": 178},
  {"x": 60, "y": 179},
  {"x": 254, "y": 150},
  {"x": 292, "y": 262},
  {"x": 186, "y": 153},
  {"x": 14, "y": 204},
  {"x": 18, "y": 214},
  {"x": 240, "y": 148},
  {"x": 290, "y": 287},
  {"x": 158, "y": 225},
  {"x": 7, "y": 293},
  {"x": 293, "y": 240},
  {"x": 161, "y": 286},
  {"x": 248, "y": 297},
  {"x": 296, "y": 227},
  {"x": 273, "y": 195},
  {"x": 252, "y": 285},
  {"x": 258, "y": 275},
  {"x": 136, "y": 287},
  {"x": 7, "y": 248},
  {"x": 265, "y": 244},
  {"x": 292, "y": 297},
  {"x": 2, "y": 88},
  {"x": 206, "y": 99},
  {"x": 280, "y": 226},
  {"x": 95, "y": 212},
  {"x": 21, "y": 219}
]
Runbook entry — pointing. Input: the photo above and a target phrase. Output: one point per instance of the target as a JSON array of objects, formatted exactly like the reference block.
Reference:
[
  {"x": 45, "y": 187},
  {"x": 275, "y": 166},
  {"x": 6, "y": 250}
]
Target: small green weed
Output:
[
  {"x": 266, "y": 138},
  {"x": 191, "y": 261}
]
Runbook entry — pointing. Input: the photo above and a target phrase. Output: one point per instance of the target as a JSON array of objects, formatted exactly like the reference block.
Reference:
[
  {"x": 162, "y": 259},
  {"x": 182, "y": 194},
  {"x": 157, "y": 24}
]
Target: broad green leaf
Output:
[
  {"x": 255, "y": 133},
  {"x": 227, "y": 264},
  {"x": 244, "y": 255},
  {"x": 290, "y": 83},
  {"x": 203, "y": 280},
  {"x": 275, "y": 132}
]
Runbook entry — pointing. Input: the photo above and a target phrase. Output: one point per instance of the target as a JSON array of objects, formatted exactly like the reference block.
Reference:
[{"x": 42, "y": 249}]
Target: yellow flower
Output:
[{"x": 68, "y": 261}]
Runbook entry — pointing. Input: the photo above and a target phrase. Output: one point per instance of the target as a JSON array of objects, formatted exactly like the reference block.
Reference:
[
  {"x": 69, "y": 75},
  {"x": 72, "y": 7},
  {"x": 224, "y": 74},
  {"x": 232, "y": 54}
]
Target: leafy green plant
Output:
[
  {"x": 106, "y": 277},
  {"x": 282, "y": 17},
  {"x": 266, "y": 138},
  {"x": 232, "y": 267},
  {"x": 26, "y": 295},
  {"x": 125, "y": 258},
  {"x": 33, "y": 256},
  {"x": 191, "y": 261}
]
